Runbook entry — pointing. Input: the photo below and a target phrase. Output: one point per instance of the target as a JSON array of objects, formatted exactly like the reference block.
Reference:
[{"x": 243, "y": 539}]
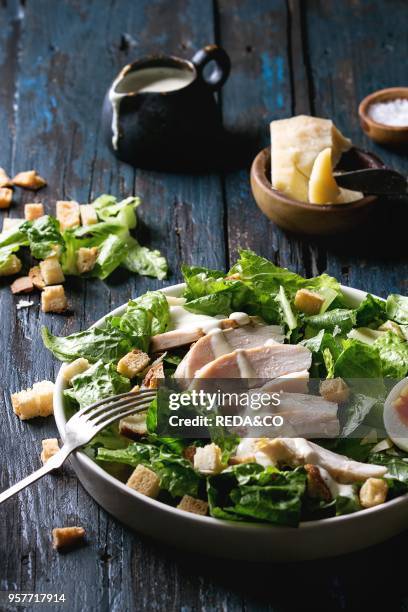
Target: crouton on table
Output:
[
  {"x": 144, "y": 481},
  {"x": 33, "y": 211},
  {"x": 6, "y": 196},
  {"x": 68, "y": 214},
  {"x": 5, "y": 180},
  {"x": 29, "y": 179},
  {"x": 50, "y": 447},
  {"x": 35, "y": 274},
  {"x": 24, "y": 284},
  {"x": 35, "y": 402},
  {"x": 51, "y": 271},
  {"x": 53, "y": 299},
  {"x": 134, "y": 362},
  {"x": 193, "y": 505},
  {"x": 308, "y": 302},
  {"x": 86, "y": 259},
  {"x": 67, "y": 537}
]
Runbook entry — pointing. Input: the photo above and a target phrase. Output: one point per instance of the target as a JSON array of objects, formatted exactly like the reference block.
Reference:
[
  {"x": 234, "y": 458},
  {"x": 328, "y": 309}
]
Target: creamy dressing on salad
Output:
[
  {"x": 219, "y": 343},
  {"x": 245, "y": 368}
]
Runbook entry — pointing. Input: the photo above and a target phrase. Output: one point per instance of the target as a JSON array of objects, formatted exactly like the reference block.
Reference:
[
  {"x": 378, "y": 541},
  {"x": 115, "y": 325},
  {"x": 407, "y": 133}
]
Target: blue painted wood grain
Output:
[{"x": 56, "y": 60}]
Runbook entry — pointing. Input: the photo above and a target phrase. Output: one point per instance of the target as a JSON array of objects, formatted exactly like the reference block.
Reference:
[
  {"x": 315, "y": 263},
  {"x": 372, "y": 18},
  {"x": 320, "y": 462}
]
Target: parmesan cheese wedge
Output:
[
  {"x": 296, "y": 143},
  {"x": 323, "y": 188}
]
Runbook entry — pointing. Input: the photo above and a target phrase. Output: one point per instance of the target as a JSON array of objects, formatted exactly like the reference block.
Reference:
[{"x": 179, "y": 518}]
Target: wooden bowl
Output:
[
  {"x": 383, "y": 134},
  {"x": 311, "y": 219}
]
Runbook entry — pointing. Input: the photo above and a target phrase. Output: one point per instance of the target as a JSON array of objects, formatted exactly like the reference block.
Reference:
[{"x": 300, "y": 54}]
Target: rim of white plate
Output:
[{"x": 353, "y": 297}]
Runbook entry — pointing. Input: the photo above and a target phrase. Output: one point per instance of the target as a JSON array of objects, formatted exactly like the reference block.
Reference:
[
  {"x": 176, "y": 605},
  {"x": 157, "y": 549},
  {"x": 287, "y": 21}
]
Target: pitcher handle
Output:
[{"x": 222, "y": 65}]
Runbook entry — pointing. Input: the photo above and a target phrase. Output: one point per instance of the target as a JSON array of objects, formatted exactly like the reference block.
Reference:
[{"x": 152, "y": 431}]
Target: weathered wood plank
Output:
[{"x": 355, "y": 48}]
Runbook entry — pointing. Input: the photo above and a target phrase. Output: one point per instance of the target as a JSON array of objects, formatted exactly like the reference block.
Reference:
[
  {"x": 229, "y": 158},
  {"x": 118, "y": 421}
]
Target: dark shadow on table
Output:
[
  {"x": 373, "y": 579},
  {"x": 382, "y": 237}
]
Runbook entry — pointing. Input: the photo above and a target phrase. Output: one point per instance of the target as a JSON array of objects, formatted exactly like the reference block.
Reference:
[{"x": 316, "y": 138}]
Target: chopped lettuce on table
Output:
[
  {"x": 111, "y": 235},
  {"x": 366, "y": 342}
]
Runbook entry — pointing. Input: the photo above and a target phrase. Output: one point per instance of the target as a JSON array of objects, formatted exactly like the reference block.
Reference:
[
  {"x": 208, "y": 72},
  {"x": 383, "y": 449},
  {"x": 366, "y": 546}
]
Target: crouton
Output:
[
  {"x": 51, "y": 271},
  {"x": 154, "y": 374},
  {"x": 53, "y": 299},
  {"x": 308, "y": 302},
  {"x": 35, "y": 274},
  {"x": 29, "y": 180},
  {"x": 50, "y": 447},
  {"x": 9, "y": 223},
  {"x": 67, "y": 537},
  {"x": 68, "y": 214},
  {"x": 334, "y": 390},
  {"x": 208, "y": 459},
  {"x": 133, "y": 426},
  {"x": 6, "y": 196},
  {"x": 373, "y": 492},
  {"x": 24, "y": 284},
  {"x": 35, "y": 402},
  {"x": 33, "y": 211},
  {"x": 86, "y": 259},
  {"x": 88, "y": 214},
  {"x": 134, "y": 362},
  {"x": 13, "y": 266},
  {"x": 76, "y": 367},
  {"x": 193, "y": 505},
  {"x": 5, "y": 180},
  {"x": 144, "y": 481},
  {"x": 316, "y": 487}
]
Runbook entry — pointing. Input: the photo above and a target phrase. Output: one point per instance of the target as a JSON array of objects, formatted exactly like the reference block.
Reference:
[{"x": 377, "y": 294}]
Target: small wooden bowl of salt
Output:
[{"x": 384, "y": 116}]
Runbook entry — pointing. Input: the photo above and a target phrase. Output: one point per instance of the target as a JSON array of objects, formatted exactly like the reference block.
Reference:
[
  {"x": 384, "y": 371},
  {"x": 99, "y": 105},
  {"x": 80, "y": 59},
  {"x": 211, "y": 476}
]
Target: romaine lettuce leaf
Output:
[
  {"x": 99, "y": 381},
  {"x": 105, "y": 343},
  {"x": 44, "y": 236},
  {"x": 394, "y": 355},
  {"x": 145, "y": 316},
  {"x": 397, "y": 308},
  {"x": 339, "y": 319},
  {"x": 176, "y": 474},
  {"x": 144, "y": 261},
  {"x": 7, "y": 259},
  {"x": 249, "y": 491},
  {"x": 111, "y": 252},
  {"x": 109, "y": 209},
  {"x": 371, "y": 312}
]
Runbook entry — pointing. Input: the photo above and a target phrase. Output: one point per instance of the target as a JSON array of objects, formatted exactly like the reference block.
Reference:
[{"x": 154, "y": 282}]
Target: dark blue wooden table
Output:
[{"x": 57, "y": 57}]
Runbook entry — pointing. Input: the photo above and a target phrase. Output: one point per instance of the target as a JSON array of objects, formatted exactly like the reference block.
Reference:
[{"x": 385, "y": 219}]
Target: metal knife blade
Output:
[{"x": 374, "y": 181}]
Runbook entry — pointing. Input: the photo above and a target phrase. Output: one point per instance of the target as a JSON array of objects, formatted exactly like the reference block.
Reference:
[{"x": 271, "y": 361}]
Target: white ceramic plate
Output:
[{"x": 247, "y": 541}]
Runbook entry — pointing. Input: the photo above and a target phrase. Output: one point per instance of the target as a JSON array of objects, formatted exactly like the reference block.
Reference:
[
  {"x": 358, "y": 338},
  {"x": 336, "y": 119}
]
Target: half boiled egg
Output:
[{"x": 396, "y": 414}]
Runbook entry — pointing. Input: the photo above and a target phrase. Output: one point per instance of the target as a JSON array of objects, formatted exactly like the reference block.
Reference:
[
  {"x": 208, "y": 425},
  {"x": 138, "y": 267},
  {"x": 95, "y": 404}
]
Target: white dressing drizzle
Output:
[
  {"x": 219, "y": 343},
  {"x": 241, "y": 318},
  {"x": 245, "y": 368}
]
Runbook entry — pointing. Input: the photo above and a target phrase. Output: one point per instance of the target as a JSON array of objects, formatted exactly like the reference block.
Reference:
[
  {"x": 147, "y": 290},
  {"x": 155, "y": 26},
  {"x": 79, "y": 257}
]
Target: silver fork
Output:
[{"x": 83, "y": 426}]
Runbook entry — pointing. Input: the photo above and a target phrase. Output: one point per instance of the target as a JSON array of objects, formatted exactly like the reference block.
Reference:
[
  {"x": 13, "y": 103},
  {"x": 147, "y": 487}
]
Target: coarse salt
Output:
[{"x": 393, "y": 112}]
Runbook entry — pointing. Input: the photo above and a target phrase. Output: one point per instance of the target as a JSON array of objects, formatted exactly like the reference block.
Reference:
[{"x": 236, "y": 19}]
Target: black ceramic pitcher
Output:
[{"x": 175, "y": 129}]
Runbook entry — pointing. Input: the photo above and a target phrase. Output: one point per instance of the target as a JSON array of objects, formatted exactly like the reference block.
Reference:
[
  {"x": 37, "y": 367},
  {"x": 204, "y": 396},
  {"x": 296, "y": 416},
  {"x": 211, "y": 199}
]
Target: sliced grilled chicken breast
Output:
[
  {"x": 220, "y": 342},
  {"x": 263, "y": 362},
  {"x": 298, "y": 451}
]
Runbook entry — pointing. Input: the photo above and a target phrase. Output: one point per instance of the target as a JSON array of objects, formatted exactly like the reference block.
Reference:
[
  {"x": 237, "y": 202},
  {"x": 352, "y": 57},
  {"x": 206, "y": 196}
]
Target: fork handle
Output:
[{"x": 54, "y": 462}]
